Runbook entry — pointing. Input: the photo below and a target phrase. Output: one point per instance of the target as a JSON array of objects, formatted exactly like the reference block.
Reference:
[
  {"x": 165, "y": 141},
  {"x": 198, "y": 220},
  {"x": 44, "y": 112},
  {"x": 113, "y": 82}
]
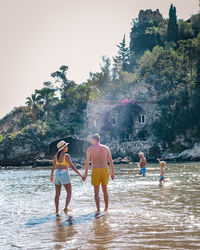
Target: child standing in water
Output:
[
  {"x": 142, "y": 164},
  {"x": 61, "y": 162},
  {"x": 162, "y": 170}
]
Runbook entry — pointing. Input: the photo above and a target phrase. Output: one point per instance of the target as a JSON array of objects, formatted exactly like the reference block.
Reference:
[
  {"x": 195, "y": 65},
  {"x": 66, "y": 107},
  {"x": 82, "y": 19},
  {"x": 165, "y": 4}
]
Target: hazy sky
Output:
[{"x": 38, "y": 36}]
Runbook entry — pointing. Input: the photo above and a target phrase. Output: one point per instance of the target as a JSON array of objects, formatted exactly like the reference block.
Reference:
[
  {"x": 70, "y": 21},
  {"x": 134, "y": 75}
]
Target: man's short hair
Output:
[{"x": 96, "y": 137}]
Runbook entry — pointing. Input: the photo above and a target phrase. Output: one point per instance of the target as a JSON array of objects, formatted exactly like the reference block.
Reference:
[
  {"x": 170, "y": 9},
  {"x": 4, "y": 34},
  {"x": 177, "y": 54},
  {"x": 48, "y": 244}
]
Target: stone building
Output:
[{"x": 127, "y": 117}]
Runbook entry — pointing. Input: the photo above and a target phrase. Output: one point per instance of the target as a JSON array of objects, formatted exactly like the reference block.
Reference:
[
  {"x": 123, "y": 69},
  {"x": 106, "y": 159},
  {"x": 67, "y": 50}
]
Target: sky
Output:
[{"x": 38, "y": 36}]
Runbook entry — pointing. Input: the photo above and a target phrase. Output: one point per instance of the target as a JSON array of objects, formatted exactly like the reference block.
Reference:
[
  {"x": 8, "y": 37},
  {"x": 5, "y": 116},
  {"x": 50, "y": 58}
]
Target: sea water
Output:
[{"x": 142, "y": 214}]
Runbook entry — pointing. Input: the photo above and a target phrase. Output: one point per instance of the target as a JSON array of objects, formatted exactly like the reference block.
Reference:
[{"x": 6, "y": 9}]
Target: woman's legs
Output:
[
  {"x": 57, "y": 196},
  {"x": 68, "y": 189}
]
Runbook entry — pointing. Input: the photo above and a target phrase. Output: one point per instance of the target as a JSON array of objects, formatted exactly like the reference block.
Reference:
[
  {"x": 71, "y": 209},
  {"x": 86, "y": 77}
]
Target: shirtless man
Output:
[
  {"x": 142, "y": 164},
  {"x": 99, "y": 155}
]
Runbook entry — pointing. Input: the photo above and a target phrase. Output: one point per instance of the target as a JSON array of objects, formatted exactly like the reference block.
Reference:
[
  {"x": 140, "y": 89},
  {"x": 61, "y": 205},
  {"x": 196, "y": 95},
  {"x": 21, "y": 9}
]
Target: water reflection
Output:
[
  {"x": 142, "y": 214},
  {"x": 63, "y": 235},
  {"x": 102, "y": 233}
]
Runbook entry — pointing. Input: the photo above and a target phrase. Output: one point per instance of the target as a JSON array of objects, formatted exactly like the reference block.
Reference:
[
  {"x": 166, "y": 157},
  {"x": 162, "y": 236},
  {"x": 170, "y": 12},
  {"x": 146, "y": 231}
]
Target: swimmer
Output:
[
  {"x": 162, "y": 170},
  {"x": 60, "y": 166},
  {"x": 142, "y": 164},
  {"x": 99, "y": 155}
]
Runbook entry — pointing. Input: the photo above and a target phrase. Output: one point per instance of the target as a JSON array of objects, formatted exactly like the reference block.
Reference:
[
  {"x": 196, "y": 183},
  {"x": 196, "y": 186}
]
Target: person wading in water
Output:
[
  {"x": 60, "y": 166},
  {"x": 99, "y": 155}
]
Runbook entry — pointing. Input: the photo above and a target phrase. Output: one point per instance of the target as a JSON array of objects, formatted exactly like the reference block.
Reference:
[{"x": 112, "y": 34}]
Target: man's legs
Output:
[
  {"x": 105, "y": 195},
  {"x": 68, "y": 189},
  {"x": 97, "y": 198},
  {"x": 57, "y": 196}
]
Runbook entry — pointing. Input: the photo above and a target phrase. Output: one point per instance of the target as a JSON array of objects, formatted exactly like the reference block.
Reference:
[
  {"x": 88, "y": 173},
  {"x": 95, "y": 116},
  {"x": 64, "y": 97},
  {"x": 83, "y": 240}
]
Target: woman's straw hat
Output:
[{"x": 61, "y": 145}]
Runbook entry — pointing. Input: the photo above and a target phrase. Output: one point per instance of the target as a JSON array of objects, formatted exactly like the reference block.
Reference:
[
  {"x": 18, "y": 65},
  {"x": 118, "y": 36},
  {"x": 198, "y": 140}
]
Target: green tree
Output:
[
  {"x": 102, "y": 79},
  {"x": 172, "y": 29},
  {"x": 34, "y": 104},
  {"x": 195, "y": 20},
  {"x": 32, "y": 101},
  {"x": 61, "y": 78},
  {"x": 185, "y": 30},
  {"x": 145, "y": 32},
  {"x": 46, "y": 97},
  {"x": 123, "y": 55}
]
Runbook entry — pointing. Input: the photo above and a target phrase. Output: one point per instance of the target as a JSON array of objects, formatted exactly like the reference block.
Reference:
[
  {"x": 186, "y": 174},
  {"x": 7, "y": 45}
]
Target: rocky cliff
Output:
[
  {"x": 190, "y": 154},
  {"x": 131, "y": 149},
  {"x": 26, "y": 141}
]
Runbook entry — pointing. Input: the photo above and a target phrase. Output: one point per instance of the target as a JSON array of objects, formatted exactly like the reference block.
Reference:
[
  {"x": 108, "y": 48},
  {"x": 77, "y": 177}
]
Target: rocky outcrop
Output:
[
  {"x": 127, "y": 151},
  {"x": 22, "y": 147},
  {"x": 192, "y": 154},
  {"x": 32, "y": 147},
  {"x": 14, "y": 121},
  {"x": 77, "y": 147}
]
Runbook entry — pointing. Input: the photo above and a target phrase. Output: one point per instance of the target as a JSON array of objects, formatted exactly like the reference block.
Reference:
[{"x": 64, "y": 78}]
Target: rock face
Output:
[
  {"x": 22, "y": 147},
  {"x": 12, "y": 122},
  {"x": 190, "y": 154},
  {"x": 77, "y": 147},
  {"x": 130, "y": 149},
  {"x": 32, "y": 149}
]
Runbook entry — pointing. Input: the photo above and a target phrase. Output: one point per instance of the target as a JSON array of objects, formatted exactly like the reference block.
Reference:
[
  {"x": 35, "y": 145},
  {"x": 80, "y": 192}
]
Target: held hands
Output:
[{"x": 84, "y": 177}]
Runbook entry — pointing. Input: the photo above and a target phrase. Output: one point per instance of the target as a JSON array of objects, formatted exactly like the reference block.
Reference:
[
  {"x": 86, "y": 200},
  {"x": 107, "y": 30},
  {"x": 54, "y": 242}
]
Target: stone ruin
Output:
[
  {"x": 139, "y": 107},
  {"x": 148, "y": 15},
  {"x": 103, "y": 115}
]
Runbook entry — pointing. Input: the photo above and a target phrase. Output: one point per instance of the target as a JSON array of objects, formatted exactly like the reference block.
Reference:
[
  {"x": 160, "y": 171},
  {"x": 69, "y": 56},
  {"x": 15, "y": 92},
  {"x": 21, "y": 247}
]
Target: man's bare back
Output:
[{"x": 99, "y": 154}]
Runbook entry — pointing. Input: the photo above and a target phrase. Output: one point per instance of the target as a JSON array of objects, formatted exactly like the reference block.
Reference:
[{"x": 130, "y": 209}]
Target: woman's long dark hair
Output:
[{"x": 58, "y": 155}]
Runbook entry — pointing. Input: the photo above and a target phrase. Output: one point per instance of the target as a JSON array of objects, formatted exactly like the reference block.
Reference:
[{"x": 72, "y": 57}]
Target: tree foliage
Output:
[{"x": 172, "y": 29}]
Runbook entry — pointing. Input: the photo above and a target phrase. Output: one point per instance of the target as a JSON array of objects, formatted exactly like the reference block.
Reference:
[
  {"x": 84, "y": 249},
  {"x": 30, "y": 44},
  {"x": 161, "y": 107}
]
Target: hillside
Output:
[{"x": 163, "y": 53}]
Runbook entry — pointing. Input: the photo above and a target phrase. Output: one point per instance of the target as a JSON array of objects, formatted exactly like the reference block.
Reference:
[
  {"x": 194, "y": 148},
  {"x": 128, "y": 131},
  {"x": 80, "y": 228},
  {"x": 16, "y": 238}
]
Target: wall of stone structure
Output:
[
  {"x": 142, "y": 94},
  {"x": 131, "y": 148}
]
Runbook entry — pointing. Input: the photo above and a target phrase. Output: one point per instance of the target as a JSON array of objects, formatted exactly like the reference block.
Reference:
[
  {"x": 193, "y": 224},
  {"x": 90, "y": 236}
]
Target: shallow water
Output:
[{"x": 142, "y": 214}]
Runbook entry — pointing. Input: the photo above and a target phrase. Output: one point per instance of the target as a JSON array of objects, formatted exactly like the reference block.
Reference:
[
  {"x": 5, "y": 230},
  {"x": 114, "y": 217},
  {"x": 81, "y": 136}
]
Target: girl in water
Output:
[{"x": 60, "y": 166}]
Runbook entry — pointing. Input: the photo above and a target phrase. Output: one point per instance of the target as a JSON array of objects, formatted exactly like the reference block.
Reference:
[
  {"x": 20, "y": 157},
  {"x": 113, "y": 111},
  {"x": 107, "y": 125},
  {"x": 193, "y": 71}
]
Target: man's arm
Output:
[
  {"x": 87, "y": 162},
  {"x": 53, "y": 169},
  {"x": 111, "y": 164}
]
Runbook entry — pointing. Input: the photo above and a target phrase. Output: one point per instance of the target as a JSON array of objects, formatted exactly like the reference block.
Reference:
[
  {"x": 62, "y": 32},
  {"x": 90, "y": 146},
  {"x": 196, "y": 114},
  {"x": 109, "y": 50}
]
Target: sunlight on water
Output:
[{"x": 142, "y": 215}]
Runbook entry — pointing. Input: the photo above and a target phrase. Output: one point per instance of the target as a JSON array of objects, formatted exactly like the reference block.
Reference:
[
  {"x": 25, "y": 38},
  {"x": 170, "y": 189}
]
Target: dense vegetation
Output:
[{"x": 165, "y": 53}]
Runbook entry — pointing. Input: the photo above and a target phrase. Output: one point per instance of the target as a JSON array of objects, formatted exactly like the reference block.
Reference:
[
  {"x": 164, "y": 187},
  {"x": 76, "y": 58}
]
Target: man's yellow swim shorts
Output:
[{"x": 99, "y": 176}]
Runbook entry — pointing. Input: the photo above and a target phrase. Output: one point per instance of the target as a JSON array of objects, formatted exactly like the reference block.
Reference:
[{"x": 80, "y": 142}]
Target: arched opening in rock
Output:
[{"x": 77, "y": 147}]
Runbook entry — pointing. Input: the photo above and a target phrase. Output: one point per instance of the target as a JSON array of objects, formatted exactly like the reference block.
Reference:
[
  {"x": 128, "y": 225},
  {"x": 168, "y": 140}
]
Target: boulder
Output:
[
  {"x": 125, "y": 160},
  {"x": 190, "y": 154},
  {"x": 130, "y": 149},
  {"x": 117, "y": 160}
]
